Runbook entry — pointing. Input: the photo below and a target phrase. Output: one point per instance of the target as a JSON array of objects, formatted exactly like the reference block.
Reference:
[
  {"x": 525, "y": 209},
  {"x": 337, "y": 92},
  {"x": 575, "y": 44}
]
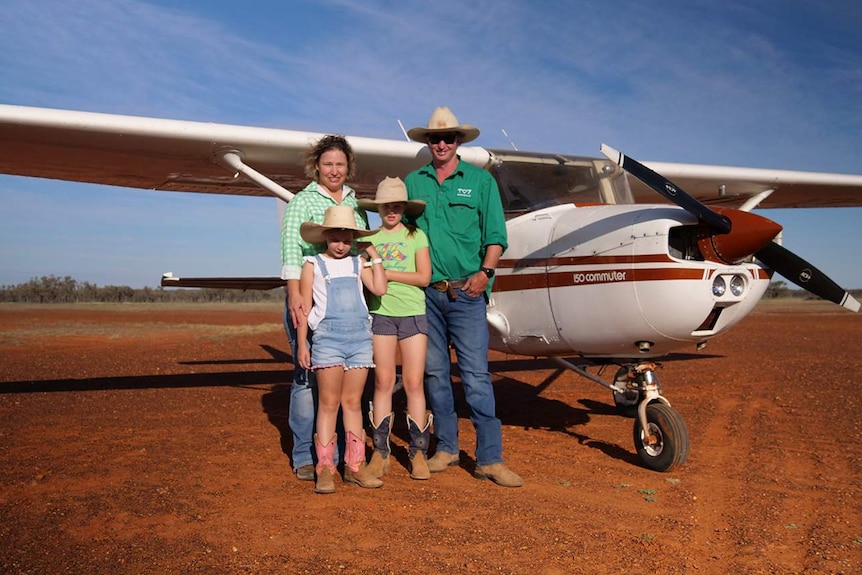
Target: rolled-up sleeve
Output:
[
  {"x": 292, "y": 245},
  {"x": 493, "y": 218}
]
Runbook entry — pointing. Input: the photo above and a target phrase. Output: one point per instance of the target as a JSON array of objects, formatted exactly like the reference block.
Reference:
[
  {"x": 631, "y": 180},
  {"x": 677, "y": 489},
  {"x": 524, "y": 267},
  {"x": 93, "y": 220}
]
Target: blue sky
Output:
[{"x": 772, "y": 84}]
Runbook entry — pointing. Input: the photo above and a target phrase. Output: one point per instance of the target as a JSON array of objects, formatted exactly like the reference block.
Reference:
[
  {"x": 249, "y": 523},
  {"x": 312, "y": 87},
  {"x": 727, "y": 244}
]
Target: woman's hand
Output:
[{"x": 295, "y": 305}]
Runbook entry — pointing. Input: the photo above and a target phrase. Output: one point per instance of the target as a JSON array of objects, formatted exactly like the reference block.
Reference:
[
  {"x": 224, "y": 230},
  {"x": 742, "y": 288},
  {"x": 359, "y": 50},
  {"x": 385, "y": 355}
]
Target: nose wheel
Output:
[
  {"x": 662, "y": 443},
  {"x": 660, "y": 434}
]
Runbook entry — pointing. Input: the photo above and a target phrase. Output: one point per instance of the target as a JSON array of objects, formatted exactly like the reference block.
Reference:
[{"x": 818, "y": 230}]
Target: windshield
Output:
[{"x": 529, "y": 181}]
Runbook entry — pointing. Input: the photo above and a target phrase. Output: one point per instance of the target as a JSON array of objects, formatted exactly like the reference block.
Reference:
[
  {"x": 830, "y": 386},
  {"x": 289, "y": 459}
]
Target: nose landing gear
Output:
[{"x": 660, "y": 434}]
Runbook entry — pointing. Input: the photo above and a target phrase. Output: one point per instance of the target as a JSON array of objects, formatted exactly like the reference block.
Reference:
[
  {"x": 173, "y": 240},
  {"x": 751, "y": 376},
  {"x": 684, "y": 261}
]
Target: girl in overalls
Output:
[{"x": 331, "y": 287}]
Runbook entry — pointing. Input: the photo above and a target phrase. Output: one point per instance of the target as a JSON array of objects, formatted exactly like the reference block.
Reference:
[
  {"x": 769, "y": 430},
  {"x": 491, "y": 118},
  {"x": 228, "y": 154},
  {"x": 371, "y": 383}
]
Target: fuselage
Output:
[{"x": 613, "y": 281}]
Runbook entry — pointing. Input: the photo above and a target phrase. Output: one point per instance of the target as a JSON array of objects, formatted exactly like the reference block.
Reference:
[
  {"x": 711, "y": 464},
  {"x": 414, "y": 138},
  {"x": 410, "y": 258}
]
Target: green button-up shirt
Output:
[
  {"x": 462, "y": 217},
  {"x": 309, "y": 205}
]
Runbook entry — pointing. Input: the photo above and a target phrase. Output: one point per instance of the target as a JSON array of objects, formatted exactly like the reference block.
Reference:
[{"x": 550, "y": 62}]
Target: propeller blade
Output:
[
  {"x": 805, "y": 275},
  {"x": 669, "y": 190}
]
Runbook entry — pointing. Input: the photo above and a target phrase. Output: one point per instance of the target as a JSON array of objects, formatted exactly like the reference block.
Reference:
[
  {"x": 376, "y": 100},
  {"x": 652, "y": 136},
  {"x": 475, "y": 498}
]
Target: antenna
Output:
[
  {"x": 514, "y": 147},
  {"x": 403, "y": 131}
]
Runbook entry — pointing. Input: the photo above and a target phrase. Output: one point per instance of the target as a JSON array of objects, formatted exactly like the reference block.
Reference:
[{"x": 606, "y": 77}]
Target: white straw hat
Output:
[
  {"x": 441, "y": 122},
  {"x": 389, "y": 191},
  {"x": 338, "y": 217}
]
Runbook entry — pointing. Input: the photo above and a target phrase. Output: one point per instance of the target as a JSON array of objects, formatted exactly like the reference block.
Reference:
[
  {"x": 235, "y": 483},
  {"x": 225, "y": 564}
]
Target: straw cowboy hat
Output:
[
  {"x": 338, "y": 217},
  {"x": 441, "y": 122},
  {"x": 389, "y": 191}
]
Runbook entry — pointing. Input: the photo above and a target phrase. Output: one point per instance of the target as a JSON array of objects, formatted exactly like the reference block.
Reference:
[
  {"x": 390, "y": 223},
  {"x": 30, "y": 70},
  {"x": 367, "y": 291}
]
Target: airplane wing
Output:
[
  {"x": 176, "y": 155},
  {"x": 732, "y": 187}
]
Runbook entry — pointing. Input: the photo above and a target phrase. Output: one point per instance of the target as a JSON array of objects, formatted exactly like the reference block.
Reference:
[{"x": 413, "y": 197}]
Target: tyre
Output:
[{"x": 671, "y": 446}]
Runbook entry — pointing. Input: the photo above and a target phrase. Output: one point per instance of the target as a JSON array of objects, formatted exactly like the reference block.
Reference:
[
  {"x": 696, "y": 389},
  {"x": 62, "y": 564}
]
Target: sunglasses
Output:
[{"x": 449, "y": 138}]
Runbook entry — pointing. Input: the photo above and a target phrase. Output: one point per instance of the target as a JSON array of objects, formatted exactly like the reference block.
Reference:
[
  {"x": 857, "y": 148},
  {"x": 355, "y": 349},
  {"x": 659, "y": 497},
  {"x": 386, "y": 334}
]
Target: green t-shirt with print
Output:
[{"x": 398, "y": 250}]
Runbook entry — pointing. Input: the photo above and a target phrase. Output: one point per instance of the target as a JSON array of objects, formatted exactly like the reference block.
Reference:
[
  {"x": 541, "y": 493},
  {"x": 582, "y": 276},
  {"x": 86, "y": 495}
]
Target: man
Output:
[{"x": 466, "y": 230}]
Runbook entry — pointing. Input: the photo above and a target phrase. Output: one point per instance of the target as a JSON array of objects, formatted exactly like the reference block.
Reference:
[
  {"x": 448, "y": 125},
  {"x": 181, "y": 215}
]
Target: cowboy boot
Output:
[
  {"x": 420, "y": 437},
  {"x": 325, "y": 467},
  {"x": 355, "y": 470},
  {"x": 380, "y": 460}
]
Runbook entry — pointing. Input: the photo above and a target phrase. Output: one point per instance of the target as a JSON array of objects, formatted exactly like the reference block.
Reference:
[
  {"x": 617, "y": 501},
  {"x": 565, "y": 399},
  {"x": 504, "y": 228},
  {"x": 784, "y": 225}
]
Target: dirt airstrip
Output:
[{"x": 153, "y": 439}]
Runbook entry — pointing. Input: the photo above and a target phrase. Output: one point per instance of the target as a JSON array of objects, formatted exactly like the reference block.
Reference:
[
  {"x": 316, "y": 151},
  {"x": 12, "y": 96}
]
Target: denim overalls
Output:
[{"x": 343, "y": 336}]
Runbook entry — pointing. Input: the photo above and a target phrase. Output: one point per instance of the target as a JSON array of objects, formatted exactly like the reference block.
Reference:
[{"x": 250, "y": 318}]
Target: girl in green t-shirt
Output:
[{"x": 399, "y": 324}]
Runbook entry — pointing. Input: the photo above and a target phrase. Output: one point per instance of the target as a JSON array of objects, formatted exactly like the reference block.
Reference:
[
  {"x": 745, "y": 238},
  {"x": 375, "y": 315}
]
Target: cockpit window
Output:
[{"x": 531, "y": 181}]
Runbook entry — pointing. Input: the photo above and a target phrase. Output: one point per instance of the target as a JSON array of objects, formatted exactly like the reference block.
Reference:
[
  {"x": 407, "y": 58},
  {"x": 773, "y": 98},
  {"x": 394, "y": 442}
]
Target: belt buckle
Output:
[{"x": 442, "y": 285}]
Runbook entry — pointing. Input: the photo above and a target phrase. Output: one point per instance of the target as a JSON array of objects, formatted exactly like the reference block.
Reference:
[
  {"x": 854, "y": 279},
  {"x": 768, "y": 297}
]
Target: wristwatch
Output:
[{"x": 488, "y": 272}]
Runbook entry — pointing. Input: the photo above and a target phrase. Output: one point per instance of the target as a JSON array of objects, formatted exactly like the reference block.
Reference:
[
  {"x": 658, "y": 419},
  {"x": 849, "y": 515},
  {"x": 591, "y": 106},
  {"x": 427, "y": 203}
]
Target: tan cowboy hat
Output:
[
  {"x": 338, "y": 217},
  {"x": 389, "y": 191},
  {"x": 442, "y": 121}
]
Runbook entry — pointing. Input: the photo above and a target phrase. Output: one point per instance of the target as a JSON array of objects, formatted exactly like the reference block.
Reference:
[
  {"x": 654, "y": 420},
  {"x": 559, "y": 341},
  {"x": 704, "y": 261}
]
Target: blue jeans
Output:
[
  {"x": 462, "y": 321},
  {"x": 300, "y": 416}
]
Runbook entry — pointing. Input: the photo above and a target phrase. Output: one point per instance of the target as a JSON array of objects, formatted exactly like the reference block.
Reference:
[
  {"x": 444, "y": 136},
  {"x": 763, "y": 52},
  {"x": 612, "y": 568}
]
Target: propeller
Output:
[
  {"x": 805, "y": 275},
  {"x": 736, "y": 234},
  {"x": 721, "y": 224}
]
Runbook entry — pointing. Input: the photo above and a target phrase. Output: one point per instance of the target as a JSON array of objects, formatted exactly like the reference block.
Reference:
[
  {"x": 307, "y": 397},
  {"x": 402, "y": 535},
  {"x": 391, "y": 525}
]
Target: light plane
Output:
[{"x": 611, "y": 262}]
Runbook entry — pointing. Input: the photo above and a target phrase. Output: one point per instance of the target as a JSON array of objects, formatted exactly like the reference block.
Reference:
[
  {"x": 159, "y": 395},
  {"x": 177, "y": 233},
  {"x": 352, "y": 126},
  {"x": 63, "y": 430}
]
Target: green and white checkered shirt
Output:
[{"x": 309, "y": 206}]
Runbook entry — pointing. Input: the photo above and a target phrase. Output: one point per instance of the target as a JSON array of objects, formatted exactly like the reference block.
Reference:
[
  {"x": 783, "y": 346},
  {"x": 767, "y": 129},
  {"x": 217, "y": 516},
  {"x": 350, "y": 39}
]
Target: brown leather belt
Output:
[{"x": 449, "y": 286}]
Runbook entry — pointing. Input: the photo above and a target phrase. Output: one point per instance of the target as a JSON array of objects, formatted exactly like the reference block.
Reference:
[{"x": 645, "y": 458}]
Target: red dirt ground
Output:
[{"x": 153, "y": 439}]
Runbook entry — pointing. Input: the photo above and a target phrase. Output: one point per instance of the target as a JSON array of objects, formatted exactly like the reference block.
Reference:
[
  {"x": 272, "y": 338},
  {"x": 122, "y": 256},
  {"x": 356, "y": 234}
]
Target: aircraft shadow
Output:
[
  {"x": 277, "y": 356},
  {"x": 255, "y": 378},
  {"x": 250, "y": 378},
  {"x": 276, "y": 405},
  {"x": 520, "y": 404}
]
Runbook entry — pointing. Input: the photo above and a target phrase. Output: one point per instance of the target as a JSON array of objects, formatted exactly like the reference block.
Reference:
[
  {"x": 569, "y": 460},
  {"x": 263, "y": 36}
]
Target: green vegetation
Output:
[{"x": 53, "y": 289}]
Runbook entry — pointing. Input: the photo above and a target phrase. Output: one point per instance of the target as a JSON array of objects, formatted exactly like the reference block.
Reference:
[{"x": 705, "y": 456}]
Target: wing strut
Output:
[
  {"x": 232, "y": 160},
  {"x": 755, "y": 200}
]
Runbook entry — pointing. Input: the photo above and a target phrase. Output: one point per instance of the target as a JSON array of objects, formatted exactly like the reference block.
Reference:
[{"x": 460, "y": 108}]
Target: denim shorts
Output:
[
  {"x": 342, "y": 342},
  {"x": 403, "y": 327}
]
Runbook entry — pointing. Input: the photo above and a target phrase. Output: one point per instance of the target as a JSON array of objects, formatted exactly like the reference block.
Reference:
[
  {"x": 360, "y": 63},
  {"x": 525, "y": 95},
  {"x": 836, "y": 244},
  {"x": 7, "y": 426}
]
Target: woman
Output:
[{"x": 329, "y": 162}]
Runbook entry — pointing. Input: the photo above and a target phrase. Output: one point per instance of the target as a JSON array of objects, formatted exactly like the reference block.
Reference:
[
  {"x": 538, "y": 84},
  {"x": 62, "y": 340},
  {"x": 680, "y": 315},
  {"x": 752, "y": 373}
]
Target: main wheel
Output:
[
  {"x": 670, "y": 445},
  {"x": 627, "y": 402}
]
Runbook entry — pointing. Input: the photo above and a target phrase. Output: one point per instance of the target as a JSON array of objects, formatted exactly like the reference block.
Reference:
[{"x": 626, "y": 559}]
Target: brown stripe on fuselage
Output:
[{"x": 516, "y": 282}]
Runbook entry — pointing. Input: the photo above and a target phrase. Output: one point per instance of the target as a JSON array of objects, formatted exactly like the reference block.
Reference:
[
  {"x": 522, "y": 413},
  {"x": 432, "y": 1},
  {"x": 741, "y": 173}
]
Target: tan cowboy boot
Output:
[
  {"x": 441, "y": 461},
  {"x": 420, "y": 437},
  {"x": 355, "y": 470},
  {"x": 325, "y": 469},
  {"x": 499, "y": 474},
  {"x": 380, "y": 459}
]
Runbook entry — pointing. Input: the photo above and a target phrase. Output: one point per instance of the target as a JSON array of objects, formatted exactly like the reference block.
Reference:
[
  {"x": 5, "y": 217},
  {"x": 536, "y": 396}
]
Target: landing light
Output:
[
  {"x": 718, "y": 286},
  {"x": 737, "y": 285}
]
